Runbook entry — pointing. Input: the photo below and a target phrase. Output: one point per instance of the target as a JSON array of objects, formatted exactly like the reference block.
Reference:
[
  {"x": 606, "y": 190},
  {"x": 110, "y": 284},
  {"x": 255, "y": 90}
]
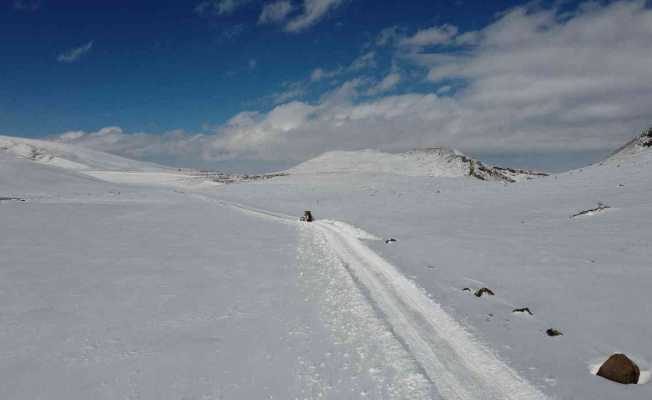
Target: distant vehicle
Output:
[{"x": 307, "y": 216}]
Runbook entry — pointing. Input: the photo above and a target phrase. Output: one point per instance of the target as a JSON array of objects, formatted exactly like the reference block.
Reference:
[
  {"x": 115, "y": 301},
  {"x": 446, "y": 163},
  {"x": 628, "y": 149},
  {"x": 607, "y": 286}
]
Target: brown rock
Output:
[{"x": 619, "y": 368}]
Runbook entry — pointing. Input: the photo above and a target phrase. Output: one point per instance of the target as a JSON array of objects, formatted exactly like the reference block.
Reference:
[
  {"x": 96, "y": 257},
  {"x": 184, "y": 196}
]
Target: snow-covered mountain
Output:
[
  {"x": 434, "y": 162},
  {"x": 639, "y": 144},
  {"x": 71, "y": 156}
]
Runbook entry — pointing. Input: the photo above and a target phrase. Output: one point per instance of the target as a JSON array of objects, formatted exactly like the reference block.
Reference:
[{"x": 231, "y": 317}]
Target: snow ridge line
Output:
[{"x": 459, "y": 366}]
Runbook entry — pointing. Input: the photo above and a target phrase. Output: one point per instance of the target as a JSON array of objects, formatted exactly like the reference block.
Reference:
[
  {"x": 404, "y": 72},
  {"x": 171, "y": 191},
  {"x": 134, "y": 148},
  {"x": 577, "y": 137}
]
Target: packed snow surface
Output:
[{"x": 128, "y": 281}]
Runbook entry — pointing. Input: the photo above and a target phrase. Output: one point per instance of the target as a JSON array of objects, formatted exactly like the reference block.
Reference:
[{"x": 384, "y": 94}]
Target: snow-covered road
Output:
[
  {"x": 449, "y": 357},
  {"x": 458, "y": 365}
]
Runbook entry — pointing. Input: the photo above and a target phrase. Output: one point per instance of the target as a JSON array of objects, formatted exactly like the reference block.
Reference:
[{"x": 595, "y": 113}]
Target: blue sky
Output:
[
  {"x": 247, "y": 78},
  {"x": 158, "y": 66}
]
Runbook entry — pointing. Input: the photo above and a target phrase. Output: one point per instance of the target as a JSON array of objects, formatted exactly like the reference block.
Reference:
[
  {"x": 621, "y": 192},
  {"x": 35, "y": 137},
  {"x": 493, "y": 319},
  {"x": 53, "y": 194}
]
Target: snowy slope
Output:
[
  {"x": 638, "y": 145},
  {"x": 434, "y": 162},
  {"x": 70, "y": 156},
  {"x": 179, "y": 290},
  {"x": 110, "y": 291},
  {"x": 104, "y": 166}
]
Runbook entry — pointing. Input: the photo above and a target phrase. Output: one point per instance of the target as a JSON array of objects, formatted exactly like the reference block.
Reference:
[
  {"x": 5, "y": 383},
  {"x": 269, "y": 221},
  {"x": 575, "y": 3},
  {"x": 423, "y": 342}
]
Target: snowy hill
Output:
[
  {"x": 433, "y": 162},
  {"x": 638, "y": 145},
  {"x": 70, "y": 156},
  {"x": 107, "y": 167}
]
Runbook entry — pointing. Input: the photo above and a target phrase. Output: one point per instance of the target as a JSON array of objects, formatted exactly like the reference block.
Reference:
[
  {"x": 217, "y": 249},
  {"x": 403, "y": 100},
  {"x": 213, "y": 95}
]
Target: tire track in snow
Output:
[{"x": 460, "y": 366}]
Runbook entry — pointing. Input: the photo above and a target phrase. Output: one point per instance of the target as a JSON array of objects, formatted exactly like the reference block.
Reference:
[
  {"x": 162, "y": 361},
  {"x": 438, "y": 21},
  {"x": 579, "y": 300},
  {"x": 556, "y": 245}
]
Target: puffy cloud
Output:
[
  {"x": 367, "y": 60},
  {"x": 364, "y": 61},
  {"x": 313, "y": 12},
  {"x": 291, "y": 91},
  {"x": 274, "y": 13},
  {"x": 219, "y": 7},
  {"x": 388, "y": 36},
  {"x": 387, "y": 83},
  {"x": 437, "y": 35},
  {"x": 75, "y": 54},
  {"x": 533, "y": 80},
  {"x": 319, "y": 73},
  {"x": 155, "y": 147}
]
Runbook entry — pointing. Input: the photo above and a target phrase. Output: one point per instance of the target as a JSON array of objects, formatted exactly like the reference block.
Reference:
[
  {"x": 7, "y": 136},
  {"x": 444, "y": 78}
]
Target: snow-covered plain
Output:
[{"x": 116, "y": 286}]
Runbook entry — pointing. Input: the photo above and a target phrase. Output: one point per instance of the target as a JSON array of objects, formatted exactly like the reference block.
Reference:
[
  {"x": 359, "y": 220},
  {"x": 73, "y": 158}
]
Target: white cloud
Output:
[
  {"x": 318, "y": 74},
  {"x": 387, "y": 83},
  {"x": 388, "y": 36},
  {"x": 274, "y": 13},
  {"x": 313, "y": 12},
  {"x": 367, "y": 60},
  {"x": 252, "y": 64},
  {"x": 293, "y": 92},
  {"x": 364, "y": 61},
  {"x": 532, "y": 81},
  {"x": 75, "y": 54},
  {"x": 219, "y": 7},
  {"x": 436, "y": 35},
  {"x": 170, "y": 145}
]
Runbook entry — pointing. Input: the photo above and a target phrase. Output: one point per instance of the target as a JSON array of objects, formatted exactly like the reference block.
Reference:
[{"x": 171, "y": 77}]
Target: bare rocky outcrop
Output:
[
  {"x": 619, "y": 368},
  {"x": 482, "y": 291},
  {"x": 646, "y": 138},
  {"x": 523, "y": 310},
  {"x": 492, "y": 173},
  {"x": 592, "y": 211}
]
